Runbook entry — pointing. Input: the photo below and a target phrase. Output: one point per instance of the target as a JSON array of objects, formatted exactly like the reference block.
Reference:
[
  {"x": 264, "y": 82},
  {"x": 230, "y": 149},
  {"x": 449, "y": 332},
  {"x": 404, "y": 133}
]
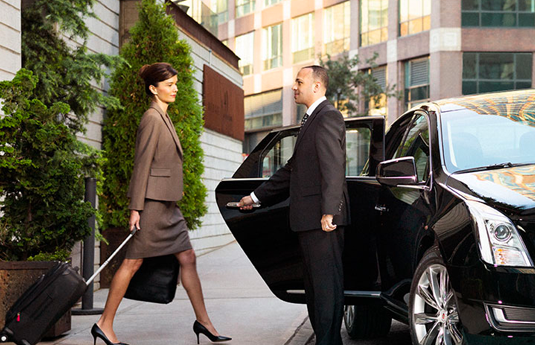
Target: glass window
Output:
[
  {"x": 303, "y": 38},
  {"x": 271, "y": 2},
  {"x": 377, "y": 106},
  {"x": 488, "y": 133},
  {"x": 220, "y": 7},
  {"x": 272, "y": 53},
  {"x": 244, "y": 7},
  {"x": 488, "y": 72},
  {"x": 416, "y": 81},
  {"x": 263, "y": 110},
  {"x": 416, "y": 145},
  {"x": 498, "y": 13},
  {"x": 245, "y": 51},
  {"x": 373, "y": 22},
  {"x": 278, "y": 155},
  {"x": 414, "y": 16},
  {"x": 337, "y": 21},
  {"x": 358, "y": 142}
]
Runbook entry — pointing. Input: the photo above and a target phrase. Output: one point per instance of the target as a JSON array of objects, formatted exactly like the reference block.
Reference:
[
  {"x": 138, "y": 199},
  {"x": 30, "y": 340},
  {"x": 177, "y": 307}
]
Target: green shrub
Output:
[
  {"x": 42, "y": 169},
  {"x": 154, "y": 38}
]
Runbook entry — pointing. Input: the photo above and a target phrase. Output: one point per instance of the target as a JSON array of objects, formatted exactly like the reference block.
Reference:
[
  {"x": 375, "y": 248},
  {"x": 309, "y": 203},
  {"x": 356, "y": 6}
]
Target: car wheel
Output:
[
  {"x": 433, "y": 312},
  {"x": 366, "y": 321}
]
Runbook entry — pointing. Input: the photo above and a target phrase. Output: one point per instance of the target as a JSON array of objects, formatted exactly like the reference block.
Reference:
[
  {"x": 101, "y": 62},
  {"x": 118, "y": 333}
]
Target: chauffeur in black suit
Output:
[{"x": 314, "y": 177}]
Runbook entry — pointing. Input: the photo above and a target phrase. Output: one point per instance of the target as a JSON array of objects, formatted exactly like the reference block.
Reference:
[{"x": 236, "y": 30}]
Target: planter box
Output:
[{"x": 15, "y": 278}]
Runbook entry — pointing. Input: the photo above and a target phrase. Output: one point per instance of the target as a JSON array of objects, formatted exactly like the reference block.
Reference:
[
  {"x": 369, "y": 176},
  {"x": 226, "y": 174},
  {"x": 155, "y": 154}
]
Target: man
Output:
[{"x": 315, "y": 179}]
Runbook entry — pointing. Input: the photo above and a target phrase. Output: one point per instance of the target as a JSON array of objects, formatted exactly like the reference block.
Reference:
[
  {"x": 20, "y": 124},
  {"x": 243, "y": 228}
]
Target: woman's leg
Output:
[
  {"x": 192, "y": 284},
  {"x": 118, "y": 287}
]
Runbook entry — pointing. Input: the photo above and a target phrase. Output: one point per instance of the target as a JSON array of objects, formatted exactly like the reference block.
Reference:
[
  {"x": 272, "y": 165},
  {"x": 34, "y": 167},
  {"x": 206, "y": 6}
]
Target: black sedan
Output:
[{"x": 443, "y": 221}]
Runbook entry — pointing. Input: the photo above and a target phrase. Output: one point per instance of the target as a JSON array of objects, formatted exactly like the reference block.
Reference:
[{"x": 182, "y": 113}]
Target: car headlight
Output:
[{"x": 499, "y": 241}]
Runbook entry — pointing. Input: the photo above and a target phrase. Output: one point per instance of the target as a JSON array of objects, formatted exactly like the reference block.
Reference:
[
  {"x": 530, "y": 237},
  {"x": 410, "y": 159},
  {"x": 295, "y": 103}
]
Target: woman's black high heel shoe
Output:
[
  {"x": 96, "y": 332},
  {"x": 198, "y": 328}
]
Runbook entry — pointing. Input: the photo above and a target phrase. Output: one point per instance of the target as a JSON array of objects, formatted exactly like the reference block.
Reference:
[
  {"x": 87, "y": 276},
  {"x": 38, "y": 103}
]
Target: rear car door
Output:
[{"x": 264, "y": 233}]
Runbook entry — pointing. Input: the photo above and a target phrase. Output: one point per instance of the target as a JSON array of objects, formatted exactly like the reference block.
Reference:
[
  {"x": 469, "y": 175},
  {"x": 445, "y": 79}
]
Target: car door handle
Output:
[
  {"x": 381, "y": 208},
  {"x": 235, "y": 204}
]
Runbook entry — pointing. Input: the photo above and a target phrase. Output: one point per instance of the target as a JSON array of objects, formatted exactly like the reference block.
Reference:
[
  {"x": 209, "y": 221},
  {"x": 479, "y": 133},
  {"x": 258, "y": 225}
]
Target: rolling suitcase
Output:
[{"x": 46, "y": 301}]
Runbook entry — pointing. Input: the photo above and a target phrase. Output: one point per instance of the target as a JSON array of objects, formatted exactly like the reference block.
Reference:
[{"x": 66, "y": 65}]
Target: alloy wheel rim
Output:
[{"x": 435, "y": 317}]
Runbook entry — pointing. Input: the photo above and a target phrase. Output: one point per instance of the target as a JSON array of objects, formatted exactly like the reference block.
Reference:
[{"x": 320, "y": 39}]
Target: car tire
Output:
[
  {"x": 366, "y": 321},
  {"x": 433, "y": 311}
]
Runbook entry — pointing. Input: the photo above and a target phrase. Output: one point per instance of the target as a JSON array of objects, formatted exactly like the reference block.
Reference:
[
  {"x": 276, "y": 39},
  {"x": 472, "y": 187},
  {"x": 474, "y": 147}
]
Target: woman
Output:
[{"x": 155, "y": 187}]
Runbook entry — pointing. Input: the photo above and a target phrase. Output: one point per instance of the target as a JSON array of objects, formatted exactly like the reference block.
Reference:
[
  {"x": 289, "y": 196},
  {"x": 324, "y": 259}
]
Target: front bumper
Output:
[{"x": 495, "y": 301}]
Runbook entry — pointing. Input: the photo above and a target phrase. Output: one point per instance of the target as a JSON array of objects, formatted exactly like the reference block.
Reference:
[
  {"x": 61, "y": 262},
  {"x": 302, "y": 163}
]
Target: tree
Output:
[
  {"x": 154, "y": 38},
  {"x": 42, "y": 175},
  {"x": 64, "y": 73},
  {"x": 348, "y": 86},
  {"x": 42, "y": 164}
]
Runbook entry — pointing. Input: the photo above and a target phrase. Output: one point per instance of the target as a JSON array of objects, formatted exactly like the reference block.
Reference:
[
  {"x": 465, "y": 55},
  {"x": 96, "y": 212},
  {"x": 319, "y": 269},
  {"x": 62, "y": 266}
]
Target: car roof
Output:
[{"x": 509, "y": 102}]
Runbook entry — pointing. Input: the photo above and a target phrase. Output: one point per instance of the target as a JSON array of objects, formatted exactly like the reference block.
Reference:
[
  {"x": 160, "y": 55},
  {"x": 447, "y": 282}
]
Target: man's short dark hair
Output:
[{"x": 320, "y": 73}]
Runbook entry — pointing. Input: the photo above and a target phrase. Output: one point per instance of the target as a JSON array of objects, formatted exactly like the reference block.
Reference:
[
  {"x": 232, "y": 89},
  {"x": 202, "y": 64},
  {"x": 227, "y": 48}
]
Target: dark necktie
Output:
[{"x": 304, "y": 119}]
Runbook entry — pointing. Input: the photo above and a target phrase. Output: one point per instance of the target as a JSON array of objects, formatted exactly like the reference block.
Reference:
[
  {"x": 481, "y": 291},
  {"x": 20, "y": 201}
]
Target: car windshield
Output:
[{"x": 487, "y": 140}]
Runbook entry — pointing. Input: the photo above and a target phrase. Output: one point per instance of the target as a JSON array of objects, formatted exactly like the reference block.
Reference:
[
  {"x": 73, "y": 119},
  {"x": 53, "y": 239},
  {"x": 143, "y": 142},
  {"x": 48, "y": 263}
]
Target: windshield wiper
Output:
[{"x": 488, "y": 167}]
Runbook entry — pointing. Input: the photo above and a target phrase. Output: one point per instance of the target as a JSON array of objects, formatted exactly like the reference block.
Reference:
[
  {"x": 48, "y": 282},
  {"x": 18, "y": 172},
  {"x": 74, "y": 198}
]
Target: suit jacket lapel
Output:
[
  {"x": 169, "y": 125},
  {"x": 309, "y": 121}
]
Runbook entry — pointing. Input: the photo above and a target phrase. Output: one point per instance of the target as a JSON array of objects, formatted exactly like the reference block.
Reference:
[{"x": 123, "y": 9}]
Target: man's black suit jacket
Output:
[{"x": 314, "y": 176}]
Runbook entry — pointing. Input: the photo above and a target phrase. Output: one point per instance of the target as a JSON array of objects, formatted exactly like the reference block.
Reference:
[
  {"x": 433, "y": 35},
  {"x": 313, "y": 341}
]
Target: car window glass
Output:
[
  {"x": 278, "y": 155},
  {"x": 416, "y": 144},
  {"x": 472, "y": 140},
  {"x": 357, "y": 150}
]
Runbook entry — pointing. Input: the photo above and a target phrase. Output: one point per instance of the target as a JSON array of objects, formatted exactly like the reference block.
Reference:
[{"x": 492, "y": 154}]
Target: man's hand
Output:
[
  {"x": 327, "y": 223},
  {"x": 134, "y": 220},
  {"x": 246, "y": 203}
]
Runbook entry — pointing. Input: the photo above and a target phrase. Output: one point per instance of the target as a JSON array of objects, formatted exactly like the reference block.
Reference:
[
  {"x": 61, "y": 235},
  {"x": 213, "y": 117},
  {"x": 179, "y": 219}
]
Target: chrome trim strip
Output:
[{"x": 349, "y": 293}]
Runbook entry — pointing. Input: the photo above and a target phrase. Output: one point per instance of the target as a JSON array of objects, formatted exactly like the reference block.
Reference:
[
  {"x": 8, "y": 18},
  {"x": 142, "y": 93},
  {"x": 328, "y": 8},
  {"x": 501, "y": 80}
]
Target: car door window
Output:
[
  {"x": 357, "y": 150},
  {"x": 278, "y": 155},
  {"x": 416, "y": 144}
]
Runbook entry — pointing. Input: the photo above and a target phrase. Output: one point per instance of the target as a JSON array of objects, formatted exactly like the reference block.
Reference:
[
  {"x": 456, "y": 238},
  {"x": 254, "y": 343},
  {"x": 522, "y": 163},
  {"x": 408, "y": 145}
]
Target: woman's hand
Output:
[{"x": 134, "y": 220}]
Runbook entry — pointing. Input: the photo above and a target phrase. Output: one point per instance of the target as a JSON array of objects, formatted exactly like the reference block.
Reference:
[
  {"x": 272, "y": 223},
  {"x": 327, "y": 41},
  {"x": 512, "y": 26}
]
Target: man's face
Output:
[{"x": 305, "y": 88}]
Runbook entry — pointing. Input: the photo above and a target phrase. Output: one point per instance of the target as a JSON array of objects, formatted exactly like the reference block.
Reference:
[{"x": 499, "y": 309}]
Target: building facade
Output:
[{"x": 428, "y": 49}]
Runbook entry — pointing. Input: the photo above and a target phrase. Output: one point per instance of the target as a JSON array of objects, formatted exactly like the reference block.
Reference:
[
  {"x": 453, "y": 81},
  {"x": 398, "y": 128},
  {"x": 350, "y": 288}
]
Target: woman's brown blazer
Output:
[{"x": 157, "y": 170}]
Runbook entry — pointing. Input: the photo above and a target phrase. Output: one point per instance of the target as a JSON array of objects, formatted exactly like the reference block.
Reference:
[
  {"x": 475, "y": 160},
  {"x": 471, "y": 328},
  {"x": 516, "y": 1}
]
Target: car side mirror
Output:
[{"x": 396, "y": 172}]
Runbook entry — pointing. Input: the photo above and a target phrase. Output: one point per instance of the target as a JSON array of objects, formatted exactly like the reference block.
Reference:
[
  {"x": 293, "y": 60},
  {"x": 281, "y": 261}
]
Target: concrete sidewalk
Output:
[{"x": 238, "y": 301}]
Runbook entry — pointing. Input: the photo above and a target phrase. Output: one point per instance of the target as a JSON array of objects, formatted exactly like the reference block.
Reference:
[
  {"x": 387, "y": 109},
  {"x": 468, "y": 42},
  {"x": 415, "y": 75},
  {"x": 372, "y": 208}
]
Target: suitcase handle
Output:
[{"x": 132, "y": 233}]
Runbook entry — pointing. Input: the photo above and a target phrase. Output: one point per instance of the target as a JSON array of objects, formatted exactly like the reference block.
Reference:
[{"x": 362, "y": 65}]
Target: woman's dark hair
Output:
[{"x": 155, "y": 73}]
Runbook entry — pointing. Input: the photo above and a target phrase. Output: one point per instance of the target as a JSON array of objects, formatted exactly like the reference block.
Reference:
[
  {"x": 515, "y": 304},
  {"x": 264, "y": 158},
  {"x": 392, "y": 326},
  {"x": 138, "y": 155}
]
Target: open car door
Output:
[{"x": 264, "y": 233}]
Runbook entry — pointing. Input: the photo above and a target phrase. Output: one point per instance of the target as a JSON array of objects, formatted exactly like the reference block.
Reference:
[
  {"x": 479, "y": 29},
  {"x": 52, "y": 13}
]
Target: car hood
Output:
[{"x": 507, "y": 188}]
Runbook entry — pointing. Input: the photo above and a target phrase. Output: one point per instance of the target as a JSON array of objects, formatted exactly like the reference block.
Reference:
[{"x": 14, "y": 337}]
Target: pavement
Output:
[{"x": 238, "y": 301}]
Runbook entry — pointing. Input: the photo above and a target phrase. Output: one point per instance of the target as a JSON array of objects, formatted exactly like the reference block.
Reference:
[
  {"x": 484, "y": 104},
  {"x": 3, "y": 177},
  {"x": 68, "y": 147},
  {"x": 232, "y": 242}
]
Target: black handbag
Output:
[{"x": 155, "y": 281}]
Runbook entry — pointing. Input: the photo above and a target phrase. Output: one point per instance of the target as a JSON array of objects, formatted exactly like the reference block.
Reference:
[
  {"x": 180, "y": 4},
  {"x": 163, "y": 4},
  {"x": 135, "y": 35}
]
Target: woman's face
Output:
[{"x": 166, "y": 90}]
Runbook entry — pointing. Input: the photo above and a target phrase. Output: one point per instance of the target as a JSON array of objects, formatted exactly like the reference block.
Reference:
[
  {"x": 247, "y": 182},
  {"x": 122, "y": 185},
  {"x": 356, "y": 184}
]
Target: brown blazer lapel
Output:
[{"x": 169, "y": 125}]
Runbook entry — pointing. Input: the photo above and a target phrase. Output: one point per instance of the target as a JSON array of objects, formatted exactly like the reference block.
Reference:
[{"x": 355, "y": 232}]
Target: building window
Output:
[
  {"x": 373, "y": 22},
  {"x": 244, "y": 7},
  {"x": 489, "y": 72},
  {"x": 303, "y": 38},
  {"x": 263, "y": 110},
  {"x": 220, "y": 8},
  {"x": 245, "y": 51},
  {"x": 336, "y": 28},
  {"x": 416, "y": 81},
  {"x": 272, "y": 53},
  {"x": 271, "y": 2},
  {"x": 498, "y": 13},
  {"x": 377, "y": 106},
  {"x": 414, "y": 16}
]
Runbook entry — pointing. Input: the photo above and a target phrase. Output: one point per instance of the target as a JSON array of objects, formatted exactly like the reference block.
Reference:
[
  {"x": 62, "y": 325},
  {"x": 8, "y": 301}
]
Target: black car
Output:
[{"x": 442, "y": 233}]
